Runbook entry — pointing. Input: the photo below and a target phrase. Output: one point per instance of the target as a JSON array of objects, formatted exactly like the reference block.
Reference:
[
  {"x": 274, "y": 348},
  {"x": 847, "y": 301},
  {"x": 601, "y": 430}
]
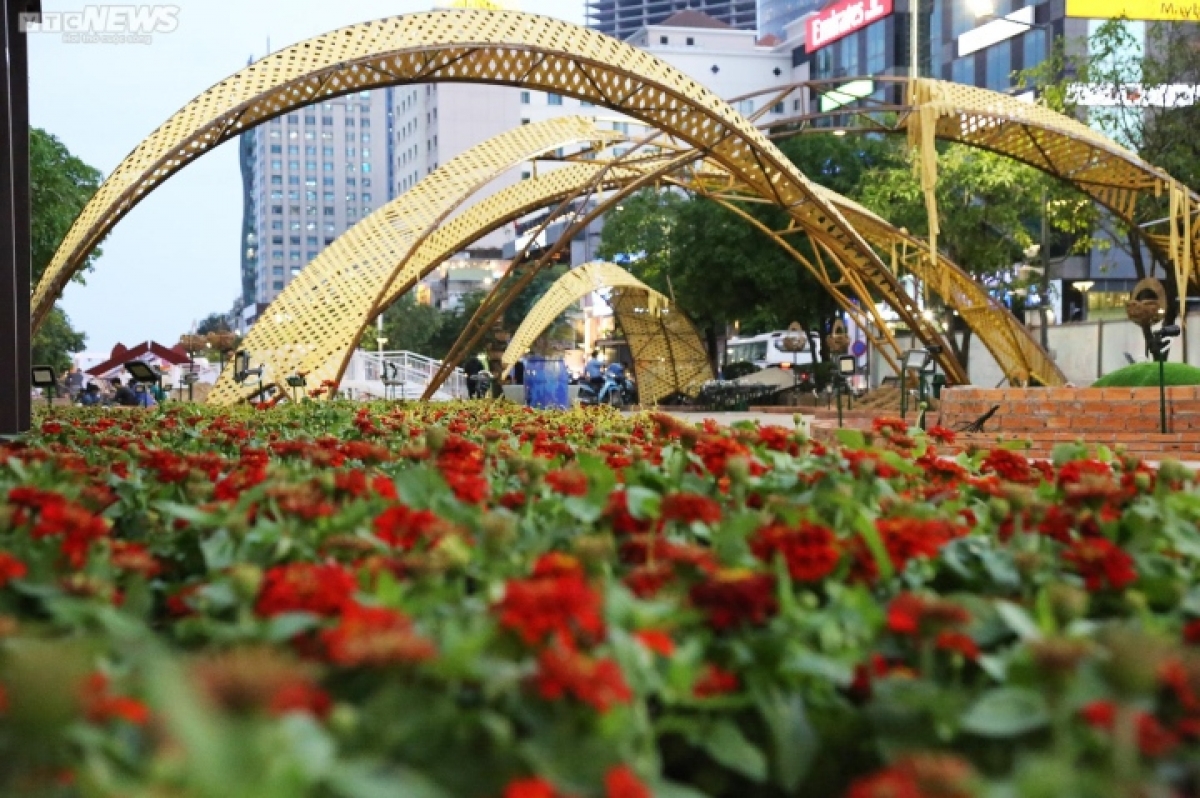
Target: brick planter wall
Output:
[{"x": 1125, "y": 417}]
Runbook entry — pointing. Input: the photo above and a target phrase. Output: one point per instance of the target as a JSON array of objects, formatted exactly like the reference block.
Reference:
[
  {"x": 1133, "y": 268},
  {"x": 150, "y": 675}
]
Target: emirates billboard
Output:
[{"x": 842, "y": 19}]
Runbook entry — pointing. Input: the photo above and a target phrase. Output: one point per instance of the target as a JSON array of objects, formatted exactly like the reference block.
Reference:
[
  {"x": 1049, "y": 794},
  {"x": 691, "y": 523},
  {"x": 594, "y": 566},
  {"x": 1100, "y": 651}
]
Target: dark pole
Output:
[
  {"x": 1162, "y": 391},
  {"x": 1044, "y": 286},
  {"x": 15, "y": 267}
]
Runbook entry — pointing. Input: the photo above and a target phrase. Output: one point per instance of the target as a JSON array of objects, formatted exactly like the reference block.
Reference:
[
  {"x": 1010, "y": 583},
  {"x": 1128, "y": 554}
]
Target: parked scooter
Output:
[
  {"x": 616, "y": 390},
  {"x": 479, "y": 386}
]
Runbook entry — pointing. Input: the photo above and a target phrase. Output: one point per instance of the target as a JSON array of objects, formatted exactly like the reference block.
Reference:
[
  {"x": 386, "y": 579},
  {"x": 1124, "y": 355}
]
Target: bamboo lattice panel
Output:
[
  {"x": 668, "y": 353},
  {"x": 323, "y": 311},
  {"x": 565, "y": 292}
]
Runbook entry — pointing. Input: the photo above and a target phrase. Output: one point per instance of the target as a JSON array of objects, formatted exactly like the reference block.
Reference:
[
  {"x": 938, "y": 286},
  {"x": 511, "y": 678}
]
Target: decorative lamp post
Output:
[
  {"x": 192, "y": 344},
  {"x": 224, "y": 342},
  {"x": 1147, "y": 305},
  {"x": 795, "y": 344}
]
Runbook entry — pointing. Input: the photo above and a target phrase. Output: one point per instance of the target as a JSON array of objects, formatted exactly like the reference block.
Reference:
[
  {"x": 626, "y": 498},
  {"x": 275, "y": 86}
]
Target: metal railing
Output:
[{"x": 399, "y": 375}]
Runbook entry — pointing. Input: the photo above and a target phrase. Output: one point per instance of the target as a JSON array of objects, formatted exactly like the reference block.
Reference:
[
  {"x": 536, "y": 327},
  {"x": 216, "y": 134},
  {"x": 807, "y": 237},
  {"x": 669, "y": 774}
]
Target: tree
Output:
[
  {"x": 1129, "y": 94},
  {"x": 408, "y": 326},
  {"x": 60, "y": 187},
  {"x": 213, "y": 322}
]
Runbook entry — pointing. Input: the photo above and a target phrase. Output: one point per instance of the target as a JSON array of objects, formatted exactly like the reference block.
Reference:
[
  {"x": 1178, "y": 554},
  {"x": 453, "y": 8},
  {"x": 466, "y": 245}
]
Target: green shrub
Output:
[{"x": 1146, "y": 374}]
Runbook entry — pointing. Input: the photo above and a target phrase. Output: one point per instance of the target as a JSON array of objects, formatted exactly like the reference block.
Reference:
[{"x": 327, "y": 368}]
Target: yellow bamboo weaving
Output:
[{"x": 668, "y": 353}]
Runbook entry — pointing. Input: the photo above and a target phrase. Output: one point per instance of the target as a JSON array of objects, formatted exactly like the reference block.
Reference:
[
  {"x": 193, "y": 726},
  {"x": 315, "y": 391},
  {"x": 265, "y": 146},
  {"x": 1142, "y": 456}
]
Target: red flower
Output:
[
  {"x": 887, "y": 425},
  {"x": 529, "y": 788},
  {"x": 78, "y": 527},
  {"x": 1153, "y": 739},
  {"x": 1101, "y": 564},
  {"x": 404, "y": 527},
  {"x": 1191, "y": 633},
  {"x": 657, "y": 641},
  {"x": 134, "y": 557},
  {"x": 469, "y": 488},
  {"x": 941, "y": 435},
  {"x": 1008, "y": 465},
  {"x": 690, "y": 507},
  {"x": 809, "y": 550},
  {"x": 3, "y": 700},
  {"x": 10, "y": 568},
  {"x": 919, "y": 776},
  {"x": 550, "y": 604},
  {"x": 734, "y": 598},
  {"x": 904, "y": 539},
  {"x": 300, "y": 696},
  {"x": 715, "y": 681},
  {"x": 374, "y": 636},
  {"x": 910, "y": 614},
  {"x": 564, "y": 672},
  {"x": 623, "y": 522},
  {"x": 568, "y": 482},
  {"x": 959, "y": 643},
  {"x": 622, "y": 782},
  {"x": 101, "y": 706},
  {"x": 305, "y": 587}
]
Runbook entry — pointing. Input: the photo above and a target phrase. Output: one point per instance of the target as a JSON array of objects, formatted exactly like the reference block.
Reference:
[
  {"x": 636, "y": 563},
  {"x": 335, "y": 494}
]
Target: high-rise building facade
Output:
[
  {"x": 309, "y": 176},
  {"x": 623, "y": 18},
  {"x": 774, "y": 15}
]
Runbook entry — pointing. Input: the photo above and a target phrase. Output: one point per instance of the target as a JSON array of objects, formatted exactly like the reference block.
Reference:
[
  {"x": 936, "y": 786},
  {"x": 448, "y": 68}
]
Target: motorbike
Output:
[
  {"x": 479, "y": 386},
  {"x": 614, "y": 391}
]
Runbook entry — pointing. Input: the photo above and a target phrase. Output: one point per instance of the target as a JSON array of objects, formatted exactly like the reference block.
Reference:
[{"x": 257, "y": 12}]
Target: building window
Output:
[
  {"x": 293, "y": 180},
  {"x": 294, "y": 194},
  {"x": 328, "y": 196},
  {"x": 664, "y": 40},
  {"x": 777, "y": 108},
  {"x": 310, "y": 120},
  {"x": 350, "y": 181},
  {"x": 277, "y": 180},
  {"x": 327, "y": 120},
  {"x": 366, "y": 167},
  {"x": 294, "y": 226},
  {"x": 349, "y": 121},
  {"x": 524, "y": 121},
  {"x": 277, "y": 210},
  {"x": 351, "y": 152},
  {"x": 277, "y": 270},
  {"x": 277, "y": 254},
  {"x": 554, "y": 99},
  {"x": 294, "y": 209},
  {"x": 277, "y": 225},
  {"x": 325, "y": 181},
  {"x": 276, "y": 166},
  {"x": 277, "y": 149},
  {"x": 311, "y": 255},
  {"x": 962, "y": 70},
  {"x": 310, "y": 166},
  {"x": 364, "y": 123},
  {"x": 294, "y": 256},
  {"x": 366, "y": 138},
  {"x": 311, "y": 241},
  {"x": 294, "y": 240},
  {"x": 277, "y": 240},
  {"x": 328, "y": 166},
  {"x": 293, "y": 119},
  {"x": 876, "y": 48},
  {"x": 366, "y": 182},
  {"x": 328, "y": 211},
  {"x": 275, "y": 133},
  {"x": 351, "y": 213},
  {"x": 525, "y": 98},
  {"x": 328, "y": 151},
  {"x": 328, "y": 241},
  {"x": 293, "y": 149},
  {"x": 293, "y": 135},
  {"x": 277, "y": 285},
  {"x": 366, "y": 197},
  {"x": 586, "y": 104},
  {"x": 526, "y": 175},
  {"x": 691, "y": 42},
  {"x": 329, "y": 227},
  {"x": 310, "y": 135},
  {"x": 276, "y": 195},
  {"x": 746, "y": 107}
]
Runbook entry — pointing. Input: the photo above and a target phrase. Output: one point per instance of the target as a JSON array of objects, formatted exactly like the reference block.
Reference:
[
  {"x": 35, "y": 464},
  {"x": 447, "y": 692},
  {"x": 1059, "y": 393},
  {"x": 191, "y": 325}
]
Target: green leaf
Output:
[
  {"x": 284, "y": 627},
  {"x": 851, "y": 438},
  {"x": 643, "y": 503},
  {"x": 727, "y": 745},
  {"x": 669, "y": 789},
  {"x": 794, "y": 742},
  {"x": 219, "y": 550},
  {"x": 870, "y": 535},
  {"x": 362, "y": 780},
  {"x": 1018, "y": 620},
  {"x": 1006, "y": 712}
]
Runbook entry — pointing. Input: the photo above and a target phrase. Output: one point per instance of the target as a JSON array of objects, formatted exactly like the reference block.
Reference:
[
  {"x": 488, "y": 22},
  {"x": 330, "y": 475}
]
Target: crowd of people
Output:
[{"x": 111, "y": 392}]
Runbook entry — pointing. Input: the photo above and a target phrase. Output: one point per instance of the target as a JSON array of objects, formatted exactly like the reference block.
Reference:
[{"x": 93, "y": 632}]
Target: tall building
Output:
[
  {"x": 309, "y": 176},
  {"x": 623, "y": 18},
  {"x": 774, "y": 15}
]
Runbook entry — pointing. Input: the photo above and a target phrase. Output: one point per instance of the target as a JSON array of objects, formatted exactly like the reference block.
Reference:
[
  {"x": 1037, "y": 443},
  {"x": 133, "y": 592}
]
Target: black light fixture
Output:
[
  {"x": 778, "y": 72},
  {"x": 914, "y": 360},
  {"x": 44, "y": 377},
  {"x": 715, "y": 69},
  {"x": 143, "y": 373}
]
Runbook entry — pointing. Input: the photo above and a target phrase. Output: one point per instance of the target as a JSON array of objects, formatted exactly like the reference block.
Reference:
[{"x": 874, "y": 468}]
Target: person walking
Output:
[{"x": 593, "y": 371}]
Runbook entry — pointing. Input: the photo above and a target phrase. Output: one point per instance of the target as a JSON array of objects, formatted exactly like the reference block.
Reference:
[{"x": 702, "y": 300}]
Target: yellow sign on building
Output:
[{"x": 1169, "y": 10}]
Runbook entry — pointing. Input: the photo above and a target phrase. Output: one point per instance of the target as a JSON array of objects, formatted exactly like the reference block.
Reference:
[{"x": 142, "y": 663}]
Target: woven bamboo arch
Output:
[
  {"x": 506, "y": 48},
  {"x": 1051, "y": 142},
  {"x": 322, "y": 313},
  {"x": 668, "y": 354}
]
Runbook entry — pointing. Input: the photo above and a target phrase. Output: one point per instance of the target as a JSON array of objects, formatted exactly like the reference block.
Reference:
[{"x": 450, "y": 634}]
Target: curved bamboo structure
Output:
[
  {"x": 478, "y": 46},
  {"x": 668, "y": 353}
]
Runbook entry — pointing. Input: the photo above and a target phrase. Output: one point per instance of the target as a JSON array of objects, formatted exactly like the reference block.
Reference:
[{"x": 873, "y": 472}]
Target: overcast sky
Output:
[{"x": 175, "y": 259}]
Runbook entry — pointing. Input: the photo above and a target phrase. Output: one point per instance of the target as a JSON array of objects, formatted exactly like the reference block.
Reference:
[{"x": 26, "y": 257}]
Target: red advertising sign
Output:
[{"x": 842, "y": 19}]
